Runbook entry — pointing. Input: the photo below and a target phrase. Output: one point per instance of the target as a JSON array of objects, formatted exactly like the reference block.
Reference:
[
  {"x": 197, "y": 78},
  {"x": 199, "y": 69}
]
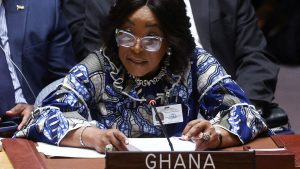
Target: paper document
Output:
[
  {"x": 268, "y": 149},
  {"x": 56, "y": 151},
  {"x": 160, "y": 144},
  {"x": 135, "y": 144}
]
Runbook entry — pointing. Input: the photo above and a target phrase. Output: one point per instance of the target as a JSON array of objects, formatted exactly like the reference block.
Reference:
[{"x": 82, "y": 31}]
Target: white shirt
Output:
[
  {"x": 19, "y": 97},
  {"x": 193, "y": 25}
]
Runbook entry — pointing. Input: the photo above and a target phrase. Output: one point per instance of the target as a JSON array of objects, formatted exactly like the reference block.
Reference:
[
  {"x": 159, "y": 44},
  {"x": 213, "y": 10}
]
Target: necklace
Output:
[{"x": 153, "y": 81}]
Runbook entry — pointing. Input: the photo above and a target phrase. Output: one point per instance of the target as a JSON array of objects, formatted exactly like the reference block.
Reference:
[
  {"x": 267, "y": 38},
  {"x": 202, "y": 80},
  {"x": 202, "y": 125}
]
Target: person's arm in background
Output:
[
  {"x": 256, "y": 71},
  {"x": 74, "y": 13},
  {"x": 84, "y": 20},
  {"x": 61, "y": 56},
  {"x": 22, "y": 110}
]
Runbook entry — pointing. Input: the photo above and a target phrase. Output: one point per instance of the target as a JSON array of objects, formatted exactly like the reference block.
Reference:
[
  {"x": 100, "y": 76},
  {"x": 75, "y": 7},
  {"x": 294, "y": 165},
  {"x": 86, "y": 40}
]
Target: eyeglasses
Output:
[{"x": 149, "y": 43}]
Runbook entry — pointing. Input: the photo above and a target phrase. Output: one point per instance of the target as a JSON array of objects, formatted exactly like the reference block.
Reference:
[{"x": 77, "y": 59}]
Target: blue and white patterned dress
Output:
[{"x": 97, "y": 93}]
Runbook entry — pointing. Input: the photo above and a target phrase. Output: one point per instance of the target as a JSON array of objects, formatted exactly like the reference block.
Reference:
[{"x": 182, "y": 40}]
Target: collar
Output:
[{"x": 118, "y": 74}]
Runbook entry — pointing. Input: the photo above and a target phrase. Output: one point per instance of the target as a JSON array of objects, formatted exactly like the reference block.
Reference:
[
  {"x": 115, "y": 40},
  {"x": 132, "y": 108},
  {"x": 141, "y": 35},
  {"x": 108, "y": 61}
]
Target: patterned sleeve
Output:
[
  {"x": 63, "y": 110},
  {"x": 223, "y": 102}
]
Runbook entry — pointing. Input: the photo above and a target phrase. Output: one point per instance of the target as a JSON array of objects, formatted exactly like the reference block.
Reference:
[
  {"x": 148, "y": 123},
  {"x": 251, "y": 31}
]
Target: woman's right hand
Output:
[{"x": 98, "y": 138}]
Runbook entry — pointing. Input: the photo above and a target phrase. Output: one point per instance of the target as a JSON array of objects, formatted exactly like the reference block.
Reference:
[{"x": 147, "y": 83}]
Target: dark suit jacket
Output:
[
  {"x": 227, "y": 29},
  {"x": 40, "y": 44},
  {"x": 85, "y": 19}
]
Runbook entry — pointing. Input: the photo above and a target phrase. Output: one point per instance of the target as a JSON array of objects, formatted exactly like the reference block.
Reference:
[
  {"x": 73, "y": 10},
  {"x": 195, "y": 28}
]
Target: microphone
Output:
[{"x": 152, "y": 102}]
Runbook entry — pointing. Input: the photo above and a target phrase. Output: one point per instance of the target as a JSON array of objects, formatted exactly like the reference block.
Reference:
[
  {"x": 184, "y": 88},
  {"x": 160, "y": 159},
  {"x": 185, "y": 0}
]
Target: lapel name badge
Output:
[{"x": 20, "y": 7}]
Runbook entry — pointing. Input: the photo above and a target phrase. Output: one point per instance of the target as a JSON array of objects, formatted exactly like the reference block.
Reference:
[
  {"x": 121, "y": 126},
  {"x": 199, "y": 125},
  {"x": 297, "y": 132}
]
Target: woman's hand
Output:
[
  {"x": 96, "y": 138},
  {"x": 203, "y": 133},
  {"x": 101, "y": 138},
  {"x": 206, "y": 136}
]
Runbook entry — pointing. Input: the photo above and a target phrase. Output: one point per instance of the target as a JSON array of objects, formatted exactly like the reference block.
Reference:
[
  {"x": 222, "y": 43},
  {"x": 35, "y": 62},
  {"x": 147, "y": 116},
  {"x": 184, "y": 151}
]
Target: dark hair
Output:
[{"x": 174, "y": 24}]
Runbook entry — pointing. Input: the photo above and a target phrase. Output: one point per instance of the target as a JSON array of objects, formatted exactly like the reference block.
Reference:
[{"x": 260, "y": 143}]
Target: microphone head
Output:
[{"x": 151, "y": 100}]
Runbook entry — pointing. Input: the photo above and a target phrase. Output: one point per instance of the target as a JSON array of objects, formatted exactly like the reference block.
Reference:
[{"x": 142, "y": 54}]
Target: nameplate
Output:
[{"x": 165, "y": 160}]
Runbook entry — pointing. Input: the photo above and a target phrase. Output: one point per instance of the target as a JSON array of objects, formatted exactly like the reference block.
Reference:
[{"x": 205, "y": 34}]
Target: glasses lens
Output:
[
  {"x": 151, "y": 43},
  {"x": 125, "y": 39}
]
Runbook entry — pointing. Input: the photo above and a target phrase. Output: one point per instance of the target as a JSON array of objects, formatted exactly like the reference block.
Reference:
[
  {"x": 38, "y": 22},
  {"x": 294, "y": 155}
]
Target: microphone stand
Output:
[{"x": 162, "y": 127}]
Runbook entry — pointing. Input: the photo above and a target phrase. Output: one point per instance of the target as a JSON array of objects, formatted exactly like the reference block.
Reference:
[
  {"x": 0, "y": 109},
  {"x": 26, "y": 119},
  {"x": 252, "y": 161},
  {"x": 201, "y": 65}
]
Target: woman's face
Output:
[{"x": 138, "y": 61}]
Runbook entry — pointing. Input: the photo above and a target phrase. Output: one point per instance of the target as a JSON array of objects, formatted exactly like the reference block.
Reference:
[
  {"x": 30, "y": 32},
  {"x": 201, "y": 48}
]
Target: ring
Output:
[
  {"x": 206, "y": 136},
  {"x": 109, "y": 147}
]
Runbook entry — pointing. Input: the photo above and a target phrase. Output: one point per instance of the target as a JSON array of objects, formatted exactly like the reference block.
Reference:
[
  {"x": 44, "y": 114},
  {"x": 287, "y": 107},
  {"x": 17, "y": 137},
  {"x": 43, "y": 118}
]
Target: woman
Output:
[{"x": 149, "y": 51}]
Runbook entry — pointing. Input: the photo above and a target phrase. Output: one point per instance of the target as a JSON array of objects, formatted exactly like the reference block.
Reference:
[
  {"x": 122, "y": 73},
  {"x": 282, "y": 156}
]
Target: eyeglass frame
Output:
[{"x": 138, "y": 38}]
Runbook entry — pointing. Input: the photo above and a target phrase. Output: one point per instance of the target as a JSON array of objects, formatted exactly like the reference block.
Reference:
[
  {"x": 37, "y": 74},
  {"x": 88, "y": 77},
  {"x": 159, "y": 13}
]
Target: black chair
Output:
[{"x": 277, "y": 119}]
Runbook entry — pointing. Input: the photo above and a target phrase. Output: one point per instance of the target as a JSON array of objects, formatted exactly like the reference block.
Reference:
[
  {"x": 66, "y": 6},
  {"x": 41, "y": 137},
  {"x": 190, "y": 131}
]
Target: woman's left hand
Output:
[{"x": 203, "y": 133}]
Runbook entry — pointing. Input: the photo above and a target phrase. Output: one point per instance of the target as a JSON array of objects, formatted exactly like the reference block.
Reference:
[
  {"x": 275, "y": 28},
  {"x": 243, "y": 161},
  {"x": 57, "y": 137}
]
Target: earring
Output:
[
  {"x": 167, "y": 59},
  {"x": 169, "y": 51}
]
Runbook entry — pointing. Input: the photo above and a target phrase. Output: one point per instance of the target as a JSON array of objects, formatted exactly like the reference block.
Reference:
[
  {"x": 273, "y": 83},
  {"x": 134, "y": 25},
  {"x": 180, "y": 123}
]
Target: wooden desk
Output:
[
  {"x": 61, "y": 163},
  {"x": 71, "y": 163},
  {"x": 4, "y": 161},
  {"x": 292, "y": 143}
]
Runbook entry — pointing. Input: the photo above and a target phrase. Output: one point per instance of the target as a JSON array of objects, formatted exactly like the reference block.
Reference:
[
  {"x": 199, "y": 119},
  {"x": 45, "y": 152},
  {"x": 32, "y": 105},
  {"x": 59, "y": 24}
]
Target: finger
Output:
[
  {"x": 17, "y": 110},
  {"x": 106, "y": 137},
  {"x": 115, "y": 142},
  {"x": 190, "y": 125},
  {"x": 122, "y": 141},
  {"x": 203, "y": 143},
  {"x": 24, "y": 120},
  {"x": 121, "y": 137},
  {"x": 101, "y": 148},
  {"x": 195, "y": 130},
  {"x": 207, "y": 133},
  {"x": 203, "y": 126}
]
